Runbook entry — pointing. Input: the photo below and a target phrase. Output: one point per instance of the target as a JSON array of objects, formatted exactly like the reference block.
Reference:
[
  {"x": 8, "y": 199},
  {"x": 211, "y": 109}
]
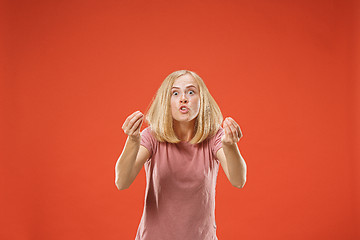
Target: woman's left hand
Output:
[{"x": 232, "y": 131}]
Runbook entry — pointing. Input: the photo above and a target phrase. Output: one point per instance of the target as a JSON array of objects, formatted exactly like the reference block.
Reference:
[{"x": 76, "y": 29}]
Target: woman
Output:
[{"x": 181, "y": 151}]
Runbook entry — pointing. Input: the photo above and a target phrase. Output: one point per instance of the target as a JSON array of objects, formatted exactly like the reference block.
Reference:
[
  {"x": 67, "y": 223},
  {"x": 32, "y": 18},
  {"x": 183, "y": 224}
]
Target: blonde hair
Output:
[{"x": 160, "y": 119}]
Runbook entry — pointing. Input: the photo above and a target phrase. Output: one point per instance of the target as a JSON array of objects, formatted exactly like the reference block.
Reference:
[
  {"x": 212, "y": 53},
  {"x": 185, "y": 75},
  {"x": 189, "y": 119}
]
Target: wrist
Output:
[
  {"x": 228, "y": 144},
  {"x": 134, "y": 139}
]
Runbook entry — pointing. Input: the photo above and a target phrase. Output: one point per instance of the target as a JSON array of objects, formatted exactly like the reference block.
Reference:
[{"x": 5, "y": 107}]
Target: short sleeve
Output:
[
  {"x": 216, "y": 143},
  {"x": 148, "y": 140}
]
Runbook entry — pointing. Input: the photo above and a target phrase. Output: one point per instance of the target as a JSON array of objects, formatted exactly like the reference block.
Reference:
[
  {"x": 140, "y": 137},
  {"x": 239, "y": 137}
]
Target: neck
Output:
[{"x": 184, "y": 130}]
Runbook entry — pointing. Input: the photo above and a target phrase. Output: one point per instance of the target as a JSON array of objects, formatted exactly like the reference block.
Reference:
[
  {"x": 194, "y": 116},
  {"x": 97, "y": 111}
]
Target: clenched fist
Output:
[{"x": 133, "y": 124}]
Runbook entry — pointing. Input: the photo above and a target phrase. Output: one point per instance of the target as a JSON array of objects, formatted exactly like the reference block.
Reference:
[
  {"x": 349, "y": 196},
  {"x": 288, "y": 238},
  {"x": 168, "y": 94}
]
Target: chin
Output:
[{"x": 184, "y": 119}]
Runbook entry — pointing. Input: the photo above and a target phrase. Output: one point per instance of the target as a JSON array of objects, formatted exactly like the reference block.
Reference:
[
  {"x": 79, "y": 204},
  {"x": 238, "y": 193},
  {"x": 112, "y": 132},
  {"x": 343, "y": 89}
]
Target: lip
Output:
[{"x": 184, "y": 111}]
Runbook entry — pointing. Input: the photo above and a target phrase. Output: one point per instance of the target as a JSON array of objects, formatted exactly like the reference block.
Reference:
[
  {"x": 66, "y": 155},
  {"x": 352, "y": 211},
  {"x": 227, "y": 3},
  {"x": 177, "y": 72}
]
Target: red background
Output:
[{"x": 286, "y": 71}]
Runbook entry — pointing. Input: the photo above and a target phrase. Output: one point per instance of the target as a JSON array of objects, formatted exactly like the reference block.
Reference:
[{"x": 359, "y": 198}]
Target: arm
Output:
[
  {"x": 130, "y": 163},
  {"x": 133, "y": 155},
  {"x": 233, "y": 164},
  {"x": 229, "y": 155}
]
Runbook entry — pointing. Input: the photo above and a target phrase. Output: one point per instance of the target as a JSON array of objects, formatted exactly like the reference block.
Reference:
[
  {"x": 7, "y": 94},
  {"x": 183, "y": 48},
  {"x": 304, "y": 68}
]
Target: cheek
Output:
[
  {"x": 197, "y": 104},
  {"x": 172, "y": 104}
]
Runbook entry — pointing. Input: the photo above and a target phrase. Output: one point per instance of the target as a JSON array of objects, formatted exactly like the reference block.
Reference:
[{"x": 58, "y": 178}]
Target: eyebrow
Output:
[{"x": 188, "y": 86}]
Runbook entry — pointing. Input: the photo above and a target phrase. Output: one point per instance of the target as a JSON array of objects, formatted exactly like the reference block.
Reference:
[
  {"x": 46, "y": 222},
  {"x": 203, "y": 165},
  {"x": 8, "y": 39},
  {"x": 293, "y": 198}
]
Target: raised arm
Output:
[
  {"x": 133, "y": 155},
  {"x": 229, "y": 155}
]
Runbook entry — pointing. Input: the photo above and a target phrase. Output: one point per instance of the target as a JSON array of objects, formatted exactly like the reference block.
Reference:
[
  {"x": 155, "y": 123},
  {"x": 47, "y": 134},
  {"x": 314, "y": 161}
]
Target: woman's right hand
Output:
[{"x": 133, "y": 124}]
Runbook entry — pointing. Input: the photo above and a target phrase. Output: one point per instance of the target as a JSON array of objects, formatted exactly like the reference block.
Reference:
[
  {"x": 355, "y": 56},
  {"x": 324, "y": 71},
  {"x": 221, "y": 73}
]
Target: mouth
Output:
[{"x": 184, "y": 109}]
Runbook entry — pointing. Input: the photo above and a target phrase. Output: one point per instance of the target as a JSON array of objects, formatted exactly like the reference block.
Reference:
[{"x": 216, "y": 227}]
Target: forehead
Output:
[{"x": 184, "y": 80}]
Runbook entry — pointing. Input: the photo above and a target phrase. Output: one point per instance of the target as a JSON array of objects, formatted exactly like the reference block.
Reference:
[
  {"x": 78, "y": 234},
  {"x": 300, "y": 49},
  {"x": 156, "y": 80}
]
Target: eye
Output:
[
  {"x": 191, "y": 92},
  {"x": 175, "y": 93}
]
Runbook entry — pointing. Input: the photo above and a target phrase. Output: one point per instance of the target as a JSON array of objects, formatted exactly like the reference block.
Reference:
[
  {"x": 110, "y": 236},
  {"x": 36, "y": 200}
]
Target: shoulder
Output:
[
  {"x": 216, "y": 135},
  {"x": 219, "y": 133},
  {"x": 148, "y": 140},
  {"x": 147, "y": 132},
  {"x": 215, "y": 141},
  {"x": 149, "y": 135}
]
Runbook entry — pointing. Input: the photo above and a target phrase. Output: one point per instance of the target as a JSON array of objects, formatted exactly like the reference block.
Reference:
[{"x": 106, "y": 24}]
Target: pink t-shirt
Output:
[{"x": 180, "y": 189}]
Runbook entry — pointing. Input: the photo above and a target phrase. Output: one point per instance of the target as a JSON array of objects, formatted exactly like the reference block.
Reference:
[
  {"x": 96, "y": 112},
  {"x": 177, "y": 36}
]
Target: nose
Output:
[{"x": 183, "y": 99}]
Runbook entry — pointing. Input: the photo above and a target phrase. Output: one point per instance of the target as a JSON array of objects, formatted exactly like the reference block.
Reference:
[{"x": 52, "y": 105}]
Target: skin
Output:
[
  {"x": 133, "y": 155},
  {"x": 229, "y": 155},
  {"x": 184, "y": 92}
]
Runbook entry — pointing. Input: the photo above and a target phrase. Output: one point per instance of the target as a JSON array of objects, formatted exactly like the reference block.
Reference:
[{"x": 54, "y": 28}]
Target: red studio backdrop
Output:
[{"x": 286, "y": 71}]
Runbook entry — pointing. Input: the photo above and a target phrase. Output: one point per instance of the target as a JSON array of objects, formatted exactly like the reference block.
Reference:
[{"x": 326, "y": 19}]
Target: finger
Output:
[
  {"x": 139, "y": 124},
  {"x": 129, "y": 118},
  {"x": 234, "y": 129},
  {"x": 132, "y": 120},
  {"x": 234, "y": 135},
  {"x": 237, "y": 127},
  {"x": 228, "y": 131},
  {"x": 128, "y": 129},
  {"x": 239, "y": 132},
  {"x": 224, "y": 123},
  {"x": 233, "y": 122},
  {"x": 135, "y": 125},
  {"x": 226, "y": 126}
]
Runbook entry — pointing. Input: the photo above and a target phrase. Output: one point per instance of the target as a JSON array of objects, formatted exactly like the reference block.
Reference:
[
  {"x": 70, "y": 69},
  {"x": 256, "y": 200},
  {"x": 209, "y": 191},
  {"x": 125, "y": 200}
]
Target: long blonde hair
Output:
[{"x": 160, "y": 119}]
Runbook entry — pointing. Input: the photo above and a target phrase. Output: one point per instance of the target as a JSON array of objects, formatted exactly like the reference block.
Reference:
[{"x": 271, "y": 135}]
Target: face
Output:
[{"x": 185, "y": 99}]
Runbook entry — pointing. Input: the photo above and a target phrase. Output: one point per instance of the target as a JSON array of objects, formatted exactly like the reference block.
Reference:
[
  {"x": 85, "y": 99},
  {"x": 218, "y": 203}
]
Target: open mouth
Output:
[{"x": 184, "y": 109}]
